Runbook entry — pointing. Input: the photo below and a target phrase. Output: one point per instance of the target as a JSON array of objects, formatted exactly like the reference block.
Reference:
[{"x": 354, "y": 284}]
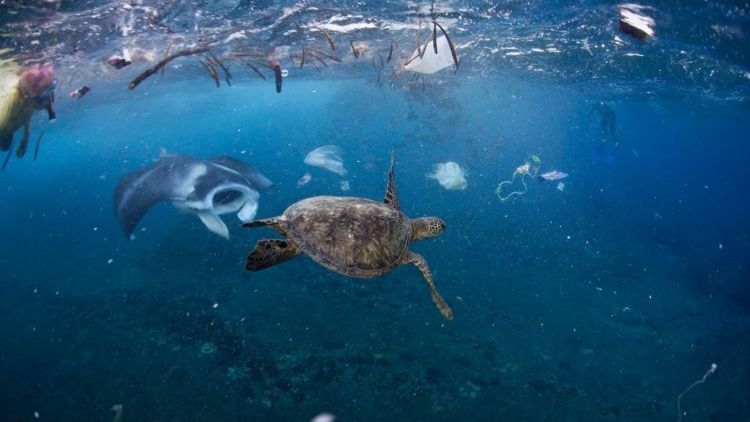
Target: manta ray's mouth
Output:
[
  {"x": 231, "y": 198},
  {"x": 228, "y": 198},
  {"x": 225, "y": 197}
]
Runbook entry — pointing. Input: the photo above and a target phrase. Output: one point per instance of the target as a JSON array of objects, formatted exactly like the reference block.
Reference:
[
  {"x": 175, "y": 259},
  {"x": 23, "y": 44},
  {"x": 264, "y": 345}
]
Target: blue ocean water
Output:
[{"x": 602, "y": 299}]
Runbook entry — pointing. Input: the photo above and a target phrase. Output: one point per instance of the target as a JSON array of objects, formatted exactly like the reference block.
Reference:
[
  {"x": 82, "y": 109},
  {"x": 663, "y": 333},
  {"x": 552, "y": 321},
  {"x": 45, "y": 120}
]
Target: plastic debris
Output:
[
  {"x": 553, "y": 175},
  {"x": 327, "y": 157},
  {"x": 450, "y": 176},
  {"x": 80, "y": 92},
  {"x": 634, "y": 23},
  {"x": 118, "y": 62},
  {"x": 430, "y": 62},
  {"x": 324, "y": 417},
  {"x": 304, "y": 180},
  {"x": 118, "y": 409},
  {"x": 529, "y": 168}
]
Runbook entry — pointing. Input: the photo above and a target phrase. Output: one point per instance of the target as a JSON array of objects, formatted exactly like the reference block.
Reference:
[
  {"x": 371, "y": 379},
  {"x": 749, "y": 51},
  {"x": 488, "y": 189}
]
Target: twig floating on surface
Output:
[
  {"x": 434, "y": 36},
  {"x": 166, "y": 54},
  {"x": 329, "y": 39},
  {"x": 211, "y": 71},
  {"x": 155, "y": 68},
  {"x": 227, "y": 75},
  {"x": 324, "y": 54},
  {"x": 450, "y": 44},
  {"x": 276, "y": 66},
  {"x": 250, "y": 65}
]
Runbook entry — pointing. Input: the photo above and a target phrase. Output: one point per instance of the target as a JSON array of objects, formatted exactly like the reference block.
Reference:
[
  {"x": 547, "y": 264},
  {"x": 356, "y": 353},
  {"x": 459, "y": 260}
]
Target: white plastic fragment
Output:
[
  {"x": 327, "y": 157},
  {"x": 450, "y": 175},
  {"x": 430, "y": 62},
  {"x": 634, "y": 23}
]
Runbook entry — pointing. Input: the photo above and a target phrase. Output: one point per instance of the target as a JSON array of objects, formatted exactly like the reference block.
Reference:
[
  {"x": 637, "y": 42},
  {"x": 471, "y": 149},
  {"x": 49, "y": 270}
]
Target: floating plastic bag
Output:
[
  {"x": 327, "y": 157},
  {"x": 431, "y": 62},
  {"x": 450, "y": 176}
]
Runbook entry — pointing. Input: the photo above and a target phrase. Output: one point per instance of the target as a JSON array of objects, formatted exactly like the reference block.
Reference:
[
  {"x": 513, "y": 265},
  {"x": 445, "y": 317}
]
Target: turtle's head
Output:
[{"x": 426, "y": 227}]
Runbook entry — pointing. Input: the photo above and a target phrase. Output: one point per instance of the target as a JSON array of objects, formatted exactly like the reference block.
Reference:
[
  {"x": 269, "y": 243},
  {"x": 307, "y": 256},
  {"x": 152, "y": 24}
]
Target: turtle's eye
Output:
[{"x": 437, "y": 226}]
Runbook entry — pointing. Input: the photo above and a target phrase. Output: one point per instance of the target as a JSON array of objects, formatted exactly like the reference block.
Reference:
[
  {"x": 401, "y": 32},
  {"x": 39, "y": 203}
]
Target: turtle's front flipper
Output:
[
  {"x": 419, "y": 261},
  {"x": 269, "y": 252},
  {"x": 272, "y": 222}
]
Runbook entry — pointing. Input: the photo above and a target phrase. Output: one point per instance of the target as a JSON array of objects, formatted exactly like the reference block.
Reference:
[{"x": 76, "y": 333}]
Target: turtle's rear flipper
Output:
[
  {"x": 419, "y": 261},
  {"x": 269, "y": 252}
]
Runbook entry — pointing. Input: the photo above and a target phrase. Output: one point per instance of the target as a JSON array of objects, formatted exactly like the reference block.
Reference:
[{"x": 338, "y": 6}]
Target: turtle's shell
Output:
[{"x": 356, "y": 237}]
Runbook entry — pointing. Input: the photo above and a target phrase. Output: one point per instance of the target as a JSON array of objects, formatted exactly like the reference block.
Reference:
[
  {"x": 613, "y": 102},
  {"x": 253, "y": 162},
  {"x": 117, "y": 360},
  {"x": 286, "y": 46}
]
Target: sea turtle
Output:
[{"x": 356, "y": 237}]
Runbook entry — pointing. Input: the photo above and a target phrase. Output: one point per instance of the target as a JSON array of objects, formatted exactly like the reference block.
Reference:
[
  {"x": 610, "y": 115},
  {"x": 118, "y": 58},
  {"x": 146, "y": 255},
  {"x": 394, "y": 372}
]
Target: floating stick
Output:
[
  {"x": 302, "y": 63},
  {"x": 227, "y": 75},
  {"x": 155, "y": 68},
  {"x": 166, "y": 54},
  {"x": 434, "y": 36},
  {"x": 329, "y": 39},
  {"x": 700, "y": 381},
  {"x": 450, "y": 44},
  {"x": 276, "y": 66},
  {"x": 248, "y": 64},
  {"x": 324, "y": 54},
  {"x": 354, "y": 50},
  {"x": 323, "y": 62},
  {"x": 419, "y": 41},
  {"x": 211, "y": 71},
  {"x": 390, "y": 53}
]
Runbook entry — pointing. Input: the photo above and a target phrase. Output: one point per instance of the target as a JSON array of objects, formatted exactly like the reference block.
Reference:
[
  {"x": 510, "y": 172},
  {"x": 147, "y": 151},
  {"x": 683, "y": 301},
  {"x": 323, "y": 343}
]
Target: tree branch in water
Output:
[{"x": 155, "y": 68}]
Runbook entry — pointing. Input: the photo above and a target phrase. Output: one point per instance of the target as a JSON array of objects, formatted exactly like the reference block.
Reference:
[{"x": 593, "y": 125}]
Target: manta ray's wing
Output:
[
  {"x": 253, "y": 176},
  {"x": 170, "y": 178},
  {"x": 137, "y": 192}
]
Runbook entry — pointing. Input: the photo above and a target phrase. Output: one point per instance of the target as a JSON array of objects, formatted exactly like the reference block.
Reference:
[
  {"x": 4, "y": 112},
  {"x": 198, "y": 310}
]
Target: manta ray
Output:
[{"x": 206, "y": 188}]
